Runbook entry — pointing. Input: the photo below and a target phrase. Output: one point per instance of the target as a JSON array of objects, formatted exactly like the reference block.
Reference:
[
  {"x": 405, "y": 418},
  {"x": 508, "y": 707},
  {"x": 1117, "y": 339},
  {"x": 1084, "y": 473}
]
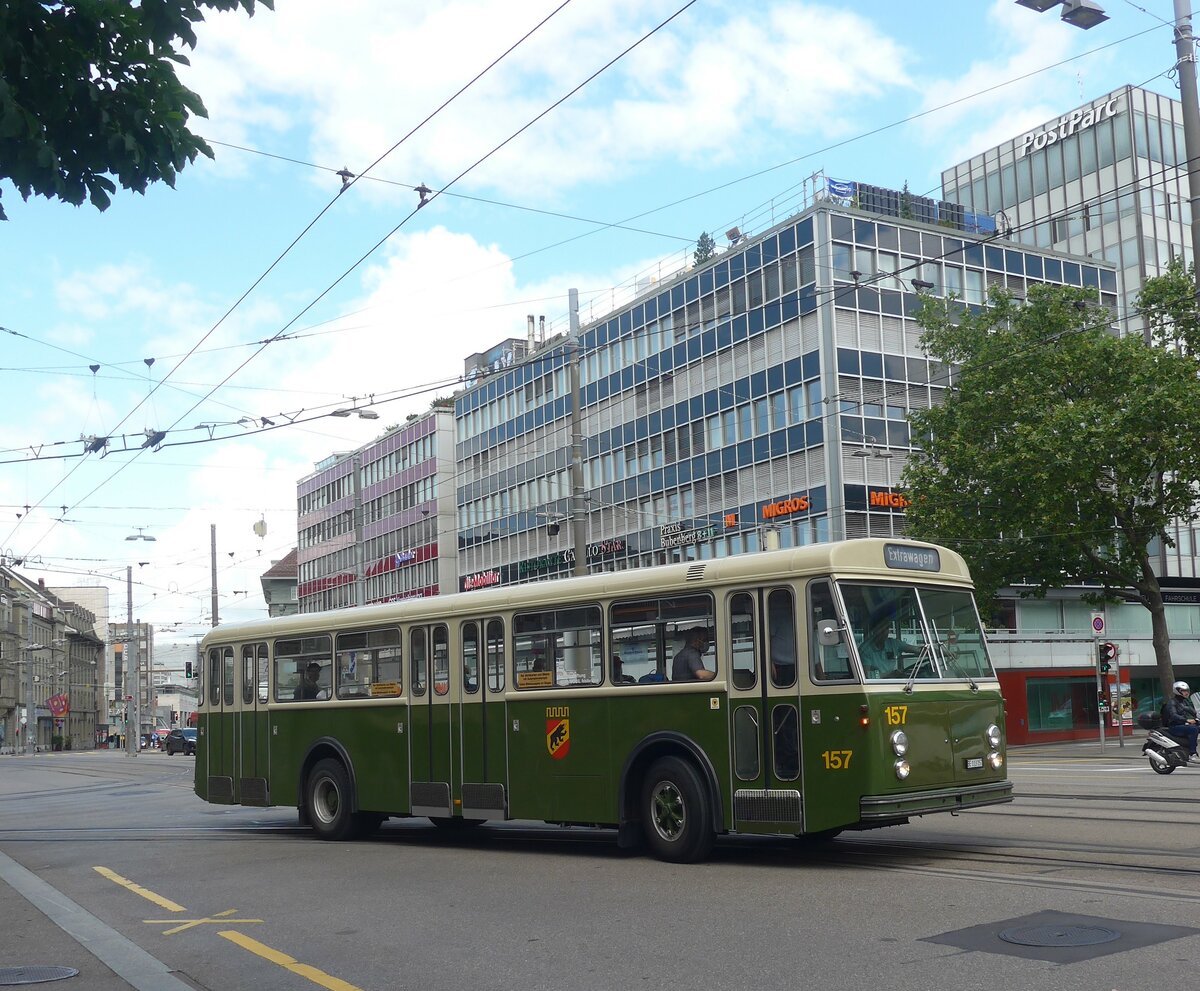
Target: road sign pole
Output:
[{"x": 1101, "y": 686}]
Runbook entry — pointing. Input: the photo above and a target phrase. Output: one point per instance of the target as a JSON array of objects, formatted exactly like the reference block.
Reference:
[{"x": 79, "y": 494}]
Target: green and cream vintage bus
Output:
[{"x": 797, "y": 692}]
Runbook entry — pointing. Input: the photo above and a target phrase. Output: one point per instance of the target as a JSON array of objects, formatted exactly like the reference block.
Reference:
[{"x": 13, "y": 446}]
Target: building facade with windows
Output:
[
  {"x": 374, "y": 525},
  {"x": 760, "y": 399}
]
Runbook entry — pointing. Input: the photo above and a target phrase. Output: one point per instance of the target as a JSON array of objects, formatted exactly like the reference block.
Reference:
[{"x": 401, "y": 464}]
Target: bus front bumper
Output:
[{"x": 874, "y": 808}]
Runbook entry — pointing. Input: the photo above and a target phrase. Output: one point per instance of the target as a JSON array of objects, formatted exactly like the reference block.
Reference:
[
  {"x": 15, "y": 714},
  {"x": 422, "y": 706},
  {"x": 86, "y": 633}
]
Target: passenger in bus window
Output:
[
  {"x": 689, "y": 662},
  {"x": 883, "y": 655},
  {"x": 619, "y": 676},
  {"x": 310, "y": 688}
]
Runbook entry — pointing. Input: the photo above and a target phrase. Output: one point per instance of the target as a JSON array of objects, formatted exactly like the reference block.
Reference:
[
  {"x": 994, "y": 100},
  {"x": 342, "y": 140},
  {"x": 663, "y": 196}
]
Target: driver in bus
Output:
[
  {"x": 689, "y": 662},
  {"x": 883, "y": 655}
]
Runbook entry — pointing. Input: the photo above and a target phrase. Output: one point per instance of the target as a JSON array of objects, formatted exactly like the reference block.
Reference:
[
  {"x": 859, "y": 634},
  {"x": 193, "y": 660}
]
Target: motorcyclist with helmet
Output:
[{"x": 1179, "y": 718}]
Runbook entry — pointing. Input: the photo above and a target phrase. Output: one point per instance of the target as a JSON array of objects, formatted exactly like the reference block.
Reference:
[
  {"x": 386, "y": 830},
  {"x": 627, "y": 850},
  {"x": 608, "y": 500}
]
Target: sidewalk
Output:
[{"x": 1085, "y": 749}]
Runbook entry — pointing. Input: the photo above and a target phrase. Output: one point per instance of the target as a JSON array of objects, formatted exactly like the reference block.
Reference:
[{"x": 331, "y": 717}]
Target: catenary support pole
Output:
[{"x": 1185, "y": 53}]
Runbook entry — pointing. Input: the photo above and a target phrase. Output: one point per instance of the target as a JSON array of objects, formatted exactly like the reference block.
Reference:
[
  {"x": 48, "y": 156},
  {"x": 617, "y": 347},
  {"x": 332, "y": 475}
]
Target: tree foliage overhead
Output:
[
  {"x": 88, "y": 90},
  {"x": 1063, "y": 454}
]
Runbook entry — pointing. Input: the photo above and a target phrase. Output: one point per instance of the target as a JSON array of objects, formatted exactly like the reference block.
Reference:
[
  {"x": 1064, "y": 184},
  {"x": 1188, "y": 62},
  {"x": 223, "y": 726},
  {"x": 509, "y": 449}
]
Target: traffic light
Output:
[
  {"x": 552, "y": 528},
  {"x": 1108, "y": 654},
  {"x": 174, "y": 717},
  {"x": 187, "y": 670}
]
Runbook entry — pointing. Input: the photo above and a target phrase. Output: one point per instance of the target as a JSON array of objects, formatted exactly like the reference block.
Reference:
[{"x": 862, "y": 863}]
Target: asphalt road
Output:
[{"x": 110, "y": 865}]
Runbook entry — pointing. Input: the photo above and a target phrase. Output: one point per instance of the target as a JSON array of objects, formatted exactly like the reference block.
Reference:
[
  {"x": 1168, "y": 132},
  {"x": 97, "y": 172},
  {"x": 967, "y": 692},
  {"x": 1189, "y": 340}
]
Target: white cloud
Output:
[{"x": 692, "y": 92}]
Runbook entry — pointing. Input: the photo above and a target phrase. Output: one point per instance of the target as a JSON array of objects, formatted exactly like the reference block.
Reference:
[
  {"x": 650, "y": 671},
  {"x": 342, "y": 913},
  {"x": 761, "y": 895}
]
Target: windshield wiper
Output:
[
  {"x": 952, "y": 662},
  {"x": 926, "y": 654}
]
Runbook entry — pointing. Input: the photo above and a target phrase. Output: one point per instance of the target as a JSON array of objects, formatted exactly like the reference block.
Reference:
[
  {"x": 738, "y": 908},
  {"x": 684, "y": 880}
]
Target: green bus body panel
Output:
[
  {"x": 200, "y": 779},
  {"x": 371, "y": 737}
]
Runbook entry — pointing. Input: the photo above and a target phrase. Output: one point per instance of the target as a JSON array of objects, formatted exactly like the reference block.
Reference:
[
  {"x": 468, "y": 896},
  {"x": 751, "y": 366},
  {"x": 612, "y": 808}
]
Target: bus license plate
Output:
[{"x": 974, "y": 763}]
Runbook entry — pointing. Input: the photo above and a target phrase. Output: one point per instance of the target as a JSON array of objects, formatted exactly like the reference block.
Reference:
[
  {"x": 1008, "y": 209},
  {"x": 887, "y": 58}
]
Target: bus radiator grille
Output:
[{"x": 767, "y": 805}]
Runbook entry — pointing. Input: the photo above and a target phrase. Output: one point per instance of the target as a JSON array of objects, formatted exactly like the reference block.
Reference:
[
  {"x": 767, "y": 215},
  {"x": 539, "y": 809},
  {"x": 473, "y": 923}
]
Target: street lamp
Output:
[
  {"x": 140, "y": 535},
  {"x": 1079, "y": 13}
]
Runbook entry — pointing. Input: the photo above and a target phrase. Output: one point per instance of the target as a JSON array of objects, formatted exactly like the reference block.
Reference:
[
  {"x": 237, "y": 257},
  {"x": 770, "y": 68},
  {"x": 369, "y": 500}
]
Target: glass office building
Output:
[
  {"x": 1106, "y": 180},
  {"x": 759, "y": 399}
]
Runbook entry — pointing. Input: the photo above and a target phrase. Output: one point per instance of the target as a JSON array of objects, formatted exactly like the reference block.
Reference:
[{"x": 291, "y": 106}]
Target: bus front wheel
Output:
[
  {"x": 329, "y": 802},
  {"x": 675, "y": 812}
]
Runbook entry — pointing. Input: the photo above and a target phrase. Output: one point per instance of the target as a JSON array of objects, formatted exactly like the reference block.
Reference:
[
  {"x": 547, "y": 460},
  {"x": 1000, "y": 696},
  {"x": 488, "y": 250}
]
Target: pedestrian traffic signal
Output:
[{"x": 1108, "y": 655}]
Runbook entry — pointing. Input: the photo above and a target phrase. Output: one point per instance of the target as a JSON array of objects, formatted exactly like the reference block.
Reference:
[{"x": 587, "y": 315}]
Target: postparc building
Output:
[{"x": 1106, "y": 180}]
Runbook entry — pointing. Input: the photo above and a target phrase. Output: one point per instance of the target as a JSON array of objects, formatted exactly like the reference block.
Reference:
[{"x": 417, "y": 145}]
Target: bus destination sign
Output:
[{"x": 911, "y": 558}]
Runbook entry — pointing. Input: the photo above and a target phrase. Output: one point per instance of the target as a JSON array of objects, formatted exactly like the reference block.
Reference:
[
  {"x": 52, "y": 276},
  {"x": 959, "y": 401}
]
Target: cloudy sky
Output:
[{"x": 699, "y": 117}]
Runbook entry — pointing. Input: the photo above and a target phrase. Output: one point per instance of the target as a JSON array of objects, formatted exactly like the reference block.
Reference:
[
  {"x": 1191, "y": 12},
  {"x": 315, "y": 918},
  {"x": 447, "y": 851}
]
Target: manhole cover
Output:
[
  {"x": 11, "y": 976},
  {"x": 1059, "y": 935}
]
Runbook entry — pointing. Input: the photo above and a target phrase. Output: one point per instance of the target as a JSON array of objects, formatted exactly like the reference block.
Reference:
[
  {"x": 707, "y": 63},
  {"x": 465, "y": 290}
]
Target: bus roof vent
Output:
[{"x": 695, "y": 572}]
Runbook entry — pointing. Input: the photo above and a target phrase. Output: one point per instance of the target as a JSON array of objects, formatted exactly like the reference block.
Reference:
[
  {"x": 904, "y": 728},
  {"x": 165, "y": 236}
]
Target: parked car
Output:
[{"x": 181, "y": 741}]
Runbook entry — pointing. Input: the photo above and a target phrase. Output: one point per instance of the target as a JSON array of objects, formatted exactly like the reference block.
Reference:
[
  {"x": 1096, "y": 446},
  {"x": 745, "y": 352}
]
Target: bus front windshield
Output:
[{"x": 910, "y": 632}]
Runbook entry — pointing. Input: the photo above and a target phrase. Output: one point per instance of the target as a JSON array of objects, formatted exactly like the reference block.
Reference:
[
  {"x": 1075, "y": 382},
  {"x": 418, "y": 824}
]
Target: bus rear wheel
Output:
[
  {"x": 329, "y": 802},
  {"x": 675, "y": 812}
]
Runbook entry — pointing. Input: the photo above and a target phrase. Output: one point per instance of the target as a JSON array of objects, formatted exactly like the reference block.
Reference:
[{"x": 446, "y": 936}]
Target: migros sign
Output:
[
  {"x": 1072, "y": 123},
  {"x": 883, "y": 499},
  {"x": 785, "y": 507}
]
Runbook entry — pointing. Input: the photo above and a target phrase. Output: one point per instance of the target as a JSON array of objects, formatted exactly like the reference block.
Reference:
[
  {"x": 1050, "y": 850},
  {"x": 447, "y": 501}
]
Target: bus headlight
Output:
[
  {"x": 903, "y": 769},
  {"x": 995, "y": 760},
  {"x": 993, "y": 736},
  {"x": 899, "y": 743}
]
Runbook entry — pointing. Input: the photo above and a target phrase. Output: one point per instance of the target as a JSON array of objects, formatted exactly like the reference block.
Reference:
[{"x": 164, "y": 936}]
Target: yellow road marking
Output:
[
  {"x": 137, "y": 889},
  {"x": 288, "y": 963},
  {"x": 189, "y": 923}
]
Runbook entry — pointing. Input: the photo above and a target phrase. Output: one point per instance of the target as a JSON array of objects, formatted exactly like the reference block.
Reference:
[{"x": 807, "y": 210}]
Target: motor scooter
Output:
[{"x": 1162, "y": 748}]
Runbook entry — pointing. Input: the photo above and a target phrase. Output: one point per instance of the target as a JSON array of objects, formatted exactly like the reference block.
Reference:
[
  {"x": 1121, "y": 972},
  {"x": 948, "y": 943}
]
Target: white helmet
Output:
[{"x": 1181, "y": 688}]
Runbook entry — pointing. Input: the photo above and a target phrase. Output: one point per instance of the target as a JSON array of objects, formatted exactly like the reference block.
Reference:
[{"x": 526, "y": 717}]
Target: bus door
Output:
[
  {"x": 219, "y": 738},
  {"x": 763, "y": 711},
  {"x": 434, "y": 687},
  {"x": 479, "y": 720},
  {"x": 252, "y": 772}
]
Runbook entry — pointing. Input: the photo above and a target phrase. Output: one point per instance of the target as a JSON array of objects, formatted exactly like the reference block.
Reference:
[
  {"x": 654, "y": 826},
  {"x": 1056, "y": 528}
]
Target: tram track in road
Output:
[{"x": 1144, "y": 872}]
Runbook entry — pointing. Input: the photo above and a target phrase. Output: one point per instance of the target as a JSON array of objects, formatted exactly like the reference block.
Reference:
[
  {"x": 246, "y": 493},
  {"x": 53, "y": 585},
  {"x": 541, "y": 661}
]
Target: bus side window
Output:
[
  {"x": 495, "y": 655},
  {"x": 828, "y": 663},
  {"x": 214, "y": 677},
  {"x": 416, "y": 644},
  {"x": 264, "y": 671},
  {"x": 781, "y": 622},
  {"x": 227, "y": 675},
  {"x": 248, "y": 674},
  {"x": 470, "y": 657},
  {"x": 741, "y": 639}
]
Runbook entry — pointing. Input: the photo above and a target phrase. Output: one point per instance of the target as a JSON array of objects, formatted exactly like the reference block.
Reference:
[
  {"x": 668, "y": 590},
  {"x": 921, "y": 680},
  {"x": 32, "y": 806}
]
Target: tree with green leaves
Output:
[
  {"x": 1063, "y": 454},
  {"x": 88, "y": 90},
  {"x": 706, "y": 247}
]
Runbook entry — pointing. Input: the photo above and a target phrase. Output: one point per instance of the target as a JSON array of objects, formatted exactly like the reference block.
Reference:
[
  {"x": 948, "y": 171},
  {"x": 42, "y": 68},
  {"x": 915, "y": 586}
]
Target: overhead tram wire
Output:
[
  {"x": 521, "y": 207},
  {"x": 375, "y": 247},
  {"x": 312, "y": 223},
  {"x": 425, "y": 201}
]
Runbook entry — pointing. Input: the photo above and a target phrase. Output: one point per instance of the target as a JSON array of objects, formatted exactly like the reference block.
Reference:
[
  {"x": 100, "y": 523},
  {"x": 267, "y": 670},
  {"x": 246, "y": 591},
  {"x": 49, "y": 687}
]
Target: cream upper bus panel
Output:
[{"x": 872, "y": 556}]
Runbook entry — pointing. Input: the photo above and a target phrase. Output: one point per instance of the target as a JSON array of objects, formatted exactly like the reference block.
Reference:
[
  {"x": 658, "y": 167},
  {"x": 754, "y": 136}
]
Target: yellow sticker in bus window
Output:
[
  {"x": 558, "y": 737},
  {"x": 379, "y": 688},
  {"x": 535, "y": 679}
]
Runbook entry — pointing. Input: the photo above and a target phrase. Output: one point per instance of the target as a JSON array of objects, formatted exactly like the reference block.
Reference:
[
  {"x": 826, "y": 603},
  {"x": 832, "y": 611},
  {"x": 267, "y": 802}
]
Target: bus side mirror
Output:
[{"x": 829, "y": 634}]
